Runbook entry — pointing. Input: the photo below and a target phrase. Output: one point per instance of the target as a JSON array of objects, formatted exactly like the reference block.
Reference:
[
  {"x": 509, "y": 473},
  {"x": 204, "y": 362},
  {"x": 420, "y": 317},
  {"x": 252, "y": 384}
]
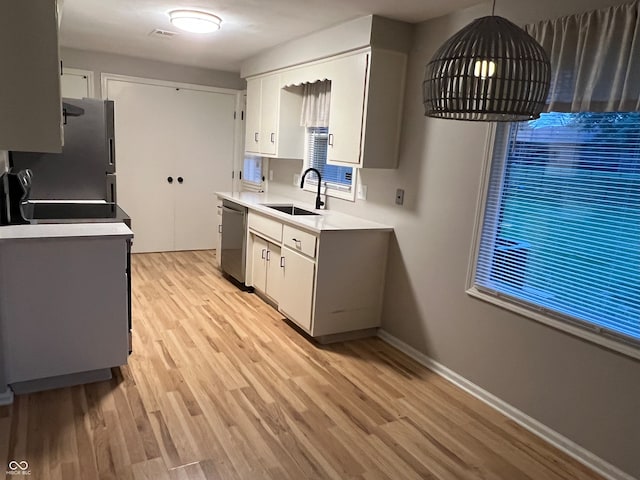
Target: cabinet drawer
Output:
[
  {"x": 270, "y": 228},
  {"x": 299, "y": 240}
]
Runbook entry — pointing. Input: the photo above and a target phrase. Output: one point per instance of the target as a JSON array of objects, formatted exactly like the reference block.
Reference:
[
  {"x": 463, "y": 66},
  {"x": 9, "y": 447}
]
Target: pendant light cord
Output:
[{"x": 493, "y": 8}]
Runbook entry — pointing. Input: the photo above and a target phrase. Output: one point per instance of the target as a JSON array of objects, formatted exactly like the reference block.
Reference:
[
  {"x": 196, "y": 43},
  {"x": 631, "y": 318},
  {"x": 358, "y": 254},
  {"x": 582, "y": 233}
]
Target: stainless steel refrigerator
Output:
[{"x": 85, "y": 170}]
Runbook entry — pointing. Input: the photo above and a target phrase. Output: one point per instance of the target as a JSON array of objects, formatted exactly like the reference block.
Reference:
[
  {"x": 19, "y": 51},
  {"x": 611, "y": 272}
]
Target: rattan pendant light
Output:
[{"x": 491, "y": 71}]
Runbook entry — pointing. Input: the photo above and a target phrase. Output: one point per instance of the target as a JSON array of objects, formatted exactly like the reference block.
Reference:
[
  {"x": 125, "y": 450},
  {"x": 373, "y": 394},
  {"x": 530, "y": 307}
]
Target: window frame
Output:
[
  {"x": 249, "y": 185},
  {"x": 563, "y": 323},
  {"x": 311, "y": 184}
]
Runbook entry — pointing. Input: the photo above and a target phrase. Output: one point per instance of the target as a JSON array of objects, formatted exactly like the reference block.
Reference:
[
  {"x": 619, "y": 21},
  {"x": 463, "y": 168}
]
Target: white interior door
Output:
[
  {"x": 144, "y": 155},
  {"x": 186, "y": 135},
  {"x": 204, "y": 134}
]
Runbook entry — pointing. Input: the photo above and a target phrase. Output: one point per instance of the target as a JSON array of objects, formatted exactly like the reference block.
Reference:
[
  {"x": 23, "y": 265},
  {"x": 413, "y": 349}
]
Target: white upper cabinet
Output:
[
  {"x": 367, "y": 91},
  {"x": 273, "y": 119},
  {"x": 348, "y": 89},
  {"x": 76, "y": 83},
  {"x": 252, "y": 132},
  {"x": 30, "y": 108}
]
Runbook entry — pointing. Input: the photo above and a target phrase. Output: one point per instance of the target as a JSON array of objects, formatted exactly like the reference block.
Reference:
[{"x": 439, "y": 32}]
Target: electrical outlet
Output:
[
  {"x": 361, "y": 194},
  {"x": 270, "y": 175},
  {"x": 296, "y": 179},
  {"x": 399, "y": 196}
]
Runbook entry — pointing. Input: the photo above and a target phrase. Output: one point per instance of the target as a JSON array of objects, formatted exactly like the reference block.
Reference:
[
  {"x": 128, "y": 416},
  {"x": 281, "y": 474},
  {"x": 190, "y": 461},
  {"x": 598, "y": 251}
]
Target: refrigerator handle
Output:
[{"x": 112, "y": 160}]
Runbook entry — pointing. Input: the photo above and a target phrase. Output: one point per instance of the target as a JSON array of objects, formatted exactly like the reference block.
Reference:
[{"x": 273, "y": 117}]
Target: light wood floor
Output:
[{"x": 220, "y": 387}]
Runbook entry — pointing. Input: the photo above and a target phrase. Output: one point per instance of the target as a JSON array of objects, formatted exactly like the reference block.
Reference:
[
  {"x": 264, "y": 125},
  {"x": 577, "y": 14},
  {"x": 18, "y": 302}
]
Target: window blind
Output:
[
  {"x": 252, "y": 171},
  {"x": 561, "y": 229},
  {"x": 336, "y": 177}
]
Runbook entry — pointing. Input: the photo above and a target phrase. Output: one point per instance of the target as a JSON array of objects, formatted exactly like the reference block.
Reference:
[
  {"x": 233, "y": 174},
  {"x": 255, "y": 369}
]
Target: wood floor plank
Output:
[{"x": 220, "y": 386}]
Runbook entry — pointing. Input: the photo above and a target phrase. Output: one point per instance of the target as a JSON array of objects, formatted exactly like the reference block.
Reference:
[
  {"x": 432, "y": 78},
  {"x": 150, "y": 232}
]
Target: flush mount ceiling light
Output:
[
  {"x": 195, "y": 21},
  {"x": 491, "y": 71}
]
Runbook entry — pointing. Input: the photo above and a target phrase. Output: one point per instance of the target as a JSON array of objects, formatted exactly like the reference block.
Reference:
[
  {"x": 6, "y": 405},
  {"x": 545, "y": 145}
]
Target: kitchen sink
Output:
[{"x": 291, "y": 210}]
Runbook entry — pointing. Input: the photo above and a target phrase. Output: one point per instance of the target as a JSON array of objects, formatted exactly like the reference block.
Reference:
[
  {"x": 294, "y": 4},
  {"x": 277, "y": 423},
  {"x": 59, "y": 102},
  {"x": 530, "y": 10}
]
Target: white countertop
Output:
[
  {"x": 327, "y": 220},
  {"x": 64, "y": 230}
]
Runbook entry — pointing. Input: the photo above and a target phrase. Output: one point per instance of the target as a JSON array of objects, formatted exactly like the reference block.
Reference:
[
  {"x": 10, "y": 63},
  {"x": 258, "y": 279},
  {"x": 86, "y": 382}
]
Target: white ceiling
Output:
[{"x": 248, "y": 26}]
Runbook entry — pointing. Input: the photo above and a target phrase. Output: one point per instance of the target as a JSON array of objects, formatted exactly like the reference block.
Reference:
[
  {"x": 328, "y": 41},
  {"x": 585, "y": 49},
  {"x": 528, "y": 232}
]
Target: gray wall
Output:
[
  {"x": 583, "y": 391},
  {"x": 100, "y": 62}
]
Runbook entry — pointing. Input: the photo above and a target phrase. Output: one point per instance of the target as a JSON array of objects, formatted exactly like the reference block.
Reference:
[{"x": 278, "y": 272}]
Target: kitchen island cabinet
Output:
[
  {"x": 325, "y": 273},
  {"x": 63, "y": 303}
]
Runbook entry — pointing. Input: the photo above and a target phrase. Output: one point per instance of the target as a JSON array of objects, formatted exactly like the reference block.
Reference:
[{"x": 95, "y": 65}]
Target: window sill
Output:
[{"x": 612, "y": 343}]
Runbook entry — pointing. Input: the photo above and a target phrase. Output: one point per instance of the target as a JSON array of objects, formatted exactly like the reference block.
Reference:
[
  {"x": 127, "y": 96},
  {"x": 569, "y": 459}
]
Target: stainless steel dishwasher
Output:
[{"x": 233, "y": 257}]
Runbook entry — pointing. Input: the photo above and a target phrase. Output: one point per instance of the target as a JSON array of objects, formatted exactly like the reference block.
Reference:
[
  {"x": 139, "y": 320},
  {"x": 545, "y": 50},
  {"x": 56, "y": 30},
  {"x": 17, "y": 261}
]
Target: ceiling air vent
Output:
[{"x": 158, "y": 33}]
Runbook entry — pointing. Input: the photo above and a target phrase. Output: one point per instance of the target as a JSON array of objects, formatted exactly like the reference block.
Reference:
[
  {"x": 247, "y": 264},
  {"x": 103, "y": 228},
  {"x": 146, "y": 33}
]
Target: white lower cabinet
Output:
[
  {"x": 297, "y": 287},
  {"x": 328, "y": 283},
  {"x": 266, "y": 267}
]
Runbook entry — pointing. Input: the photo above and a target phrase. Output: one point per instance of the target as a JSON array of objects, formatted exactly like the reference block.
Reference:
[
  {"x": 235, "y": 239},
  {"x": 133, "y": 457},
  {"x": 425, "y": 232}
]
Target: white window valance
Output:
[
  {"x": 316, "y": 100},
  {"x": 595, "y": 59}
]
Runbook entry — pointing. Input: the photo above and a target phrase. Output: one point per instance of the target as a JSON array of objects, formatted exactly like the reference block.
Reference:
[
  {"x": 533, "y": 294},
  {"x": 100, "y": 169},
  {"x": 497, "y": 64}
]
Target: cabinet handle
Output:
[
  {"x": 331, "y": 139},
  {"x": 219, "y": 228},
  {"x": 264, "y": 253},
  {"x": 273, "y": 138},
  {"x": 282, "y": 262},
  {"x": 255, "y": 137},
  {"x": 268, "y": 255},
  {"x": 298, "y": 242}
]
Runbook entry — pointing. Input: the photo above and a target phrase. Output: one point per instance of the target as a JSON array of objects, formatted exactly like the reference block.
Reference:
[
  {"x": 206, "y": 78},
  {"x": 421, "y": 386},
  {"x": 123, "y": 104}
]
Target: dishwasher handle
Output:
[{"x": 233, "y": 210}]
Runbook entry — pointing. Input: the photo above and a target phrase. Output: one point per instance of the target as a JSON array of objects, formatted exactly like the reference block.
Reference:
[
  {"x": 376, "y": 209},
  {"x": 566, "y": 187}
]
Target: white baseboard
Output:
[
  {"x": 6, "y": 397},
  {"x": 561, "y": 442}
]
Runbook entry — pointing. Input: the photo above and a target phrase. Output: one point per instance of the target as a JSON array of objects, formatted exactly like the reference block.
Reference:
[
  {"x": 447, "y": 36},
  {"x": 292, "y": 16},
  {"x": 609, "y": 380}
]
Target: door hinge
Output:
[{"x": 234, "y": 115}]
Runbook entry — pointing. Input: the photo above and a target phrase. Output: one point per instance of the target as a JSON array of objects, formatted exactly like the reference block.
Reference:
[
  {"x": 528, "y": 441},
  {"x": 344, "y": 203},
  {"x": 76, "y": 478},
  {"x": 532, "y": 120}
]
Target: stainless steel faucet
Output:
[{"x": 319, "y": 203}]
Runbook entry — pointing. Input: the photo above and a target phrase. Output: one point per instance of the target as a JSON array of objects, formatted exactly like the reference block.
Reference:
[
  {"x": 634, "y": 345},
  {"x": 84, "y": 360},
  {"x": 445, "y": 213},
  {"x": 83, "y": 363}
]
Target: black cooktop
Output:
[{"x": 76, "y": 212}]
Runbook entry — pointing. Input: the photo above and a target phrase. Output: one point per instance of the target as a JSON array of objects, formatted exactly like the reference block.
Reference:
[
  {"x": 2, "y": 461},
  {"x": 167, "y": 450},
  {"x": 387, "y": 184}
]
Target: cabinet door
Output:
[
  {"x": 348, "y": 86},
  {"x": 270, "y": 98},
  {"x": 252, "y": 132},
  {"x": 259, "y": 263},
  {"x": 75, "y": 84},
  {"x": 30, "y": 83},
  {"x": 297, "y": 288},
  {"x": 275, "y": 272}
]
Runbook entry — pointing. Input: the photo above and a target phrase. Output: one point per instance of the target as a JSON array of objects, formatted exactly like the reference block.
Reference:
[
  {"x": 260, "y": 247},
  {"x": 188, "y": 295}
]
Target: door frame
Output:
[{"x": 238, "y": 132}]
